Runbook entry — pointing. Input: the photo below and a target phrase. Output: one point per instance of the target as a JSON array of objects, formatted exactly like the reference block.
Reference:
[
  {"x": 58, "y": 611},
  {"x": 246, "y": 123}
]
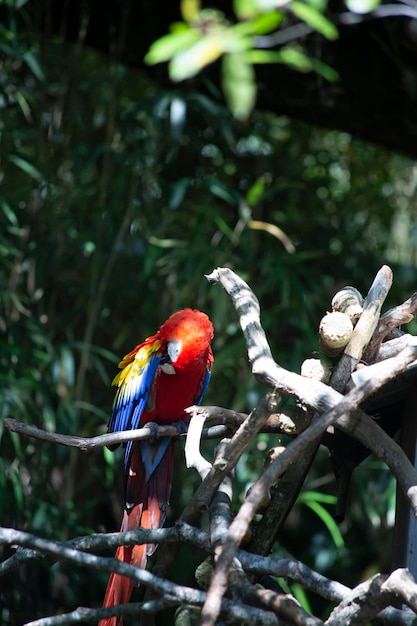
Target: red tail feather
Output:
[{"x": 148, "y": 511}]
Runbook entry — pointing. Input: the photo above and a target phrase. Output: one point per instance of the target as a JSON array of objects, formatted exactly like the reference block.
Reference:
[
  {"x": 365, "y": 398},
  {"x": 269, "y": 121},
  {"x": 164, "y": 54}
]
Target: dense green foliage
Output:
[{"x": 116, "y": 197}]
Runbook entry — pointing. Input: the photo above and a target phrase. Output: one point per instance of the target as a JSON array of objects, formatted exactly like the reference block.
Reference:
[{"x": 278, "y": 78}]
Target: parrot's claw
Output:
[
  {"x": 181, "y": 427},
  {"x": 154, "y": 428}
]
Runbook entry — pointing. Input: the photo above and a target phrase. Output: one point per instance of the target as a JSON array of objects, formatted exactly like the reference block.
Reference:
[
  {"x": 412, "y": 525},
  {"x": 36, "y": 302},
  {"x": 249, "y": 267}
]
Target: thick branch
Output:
[
  {"x": 313, "y": 393},
  {"x": 181, "y": 593},
  {"x": 264, "y": 367}
]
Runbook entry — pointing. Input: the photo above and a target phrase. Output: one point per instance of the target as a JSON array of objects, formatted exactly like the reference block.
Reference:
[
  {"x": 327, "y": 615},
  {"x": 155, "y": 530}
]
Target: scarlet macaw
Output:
[{"x": 160, "y": 378}]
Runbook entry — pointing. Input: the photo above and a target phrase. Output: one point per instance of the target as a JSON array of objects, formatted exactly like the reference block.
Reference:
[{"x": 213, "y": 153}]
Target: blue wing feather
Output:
[
  {"x": 134, "y": 384},
  {"x": 204, "y": 387}
]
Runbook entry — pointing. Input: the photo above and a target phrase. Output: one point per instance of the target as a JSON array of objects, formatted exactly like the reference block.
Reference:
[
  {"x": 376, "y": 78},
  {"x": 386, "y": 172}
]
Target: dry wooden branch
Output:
[
  {"x": 271, "y": 373},
  {"x": 364, "y": 329},
  {"x": 291, "y": 569},
  {"x": 180, "y": 593},
  {"x": 86, "y": 444},
  {"x": 312, "y": 393},
  {"x": 222, "y": 466},
  {"x": 370, "y": 597},
  {"x": 402, "y": 314}
]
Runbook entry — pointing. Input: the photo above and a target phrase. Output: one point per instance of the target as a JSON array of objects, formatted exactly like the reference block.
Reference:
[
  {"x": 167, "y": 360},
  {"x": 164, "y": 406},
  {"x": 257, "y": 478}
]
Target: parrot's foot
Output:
[
  {"x": 154, "y": 428},
  {"x": 181, "y": 427}
]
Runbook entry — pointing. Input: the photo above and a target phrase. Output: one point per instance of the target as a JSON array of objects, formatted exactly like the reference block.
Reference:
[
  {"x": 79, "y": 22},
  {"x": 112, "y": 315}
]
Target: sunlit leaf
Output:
[
  {"x": 254, "y": 194},
  {"x": 239, "y": 85},
  {"x": 246, "y": 9},
  {"x": 314, "y": 18},
  {"x": 260, "y": 25},
  {"x": 188, "y": 63},
  {"x": 166, "y": 47},
  {"x": 189, "y": 9}
]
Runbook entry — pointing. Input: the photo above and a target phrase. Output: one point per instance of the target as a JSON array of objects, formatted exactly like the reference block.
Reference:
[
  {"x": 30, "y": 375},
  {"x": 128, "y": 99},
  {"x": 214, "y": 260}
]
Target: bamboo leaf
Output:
[
  {"x": 314, "y": 18},
  {"x": 25, "y": 166}
]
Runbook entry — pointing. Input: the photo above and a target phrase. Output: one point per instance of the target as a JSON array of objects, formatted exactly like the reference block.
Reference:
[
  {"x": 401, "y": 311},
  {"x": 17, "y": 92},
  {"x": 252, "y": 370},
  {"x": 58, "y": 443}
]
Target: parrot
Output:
[{"x": 159, "y": 379}]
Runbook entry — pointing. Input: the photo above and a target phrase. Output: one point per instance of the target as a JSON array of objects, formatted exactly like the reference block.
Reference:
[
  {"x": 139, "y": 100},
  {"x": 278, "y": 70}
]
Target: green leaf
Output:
[
  {"x": 316, "y": 496},
  {"x": 289, "y": 56},
  {"x": 260, "y": 25},
  {"x": 9, "y": 213},
  {"x": 246, "y": 9},
  {"x": 296, "y": 59},
  {"x": 325, "y": 70},
  {"x": 168, "y": 46},
  {"x": 219, "y": 189},
  {"x": 255, "y": 192},
  {"x": 300, "y": 594},
  {"x": 25, "y": 166},
  {"x": 239, "y": 84},
  {"x": 189, "y": 62},
  {"x": 328, "y": 521},
  {"x": 22, "y": 102},
  {"x": 314, "y": 18},
  {"x": 32, "y": 62}
]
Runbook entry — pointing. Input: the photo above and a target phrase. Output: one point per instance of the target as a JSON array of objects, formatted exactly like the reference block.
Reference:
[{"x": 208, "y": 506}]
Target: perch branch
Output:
[
  {"x": 313, "y": 393},
  {"x": 86, "y": 444},
  {"x": 213, "y": 414}
]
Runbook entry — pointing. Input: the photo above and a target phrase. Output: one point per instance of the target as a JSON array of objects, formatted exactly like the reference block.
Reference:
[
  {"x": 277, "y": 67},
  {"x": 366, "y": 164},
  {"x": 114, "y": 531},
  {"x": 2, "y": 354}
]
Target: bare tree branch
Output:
[
  {"x": 364, "y": 329},
  {"x": 264, "y": 367},
  {"x": 86, "y": 444},
  {"x": 181, "y": 593},
  {"x": 291, "y": 569},
  {"x": 402, "y": 314},
  {"x": 314, "y": 393}
]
